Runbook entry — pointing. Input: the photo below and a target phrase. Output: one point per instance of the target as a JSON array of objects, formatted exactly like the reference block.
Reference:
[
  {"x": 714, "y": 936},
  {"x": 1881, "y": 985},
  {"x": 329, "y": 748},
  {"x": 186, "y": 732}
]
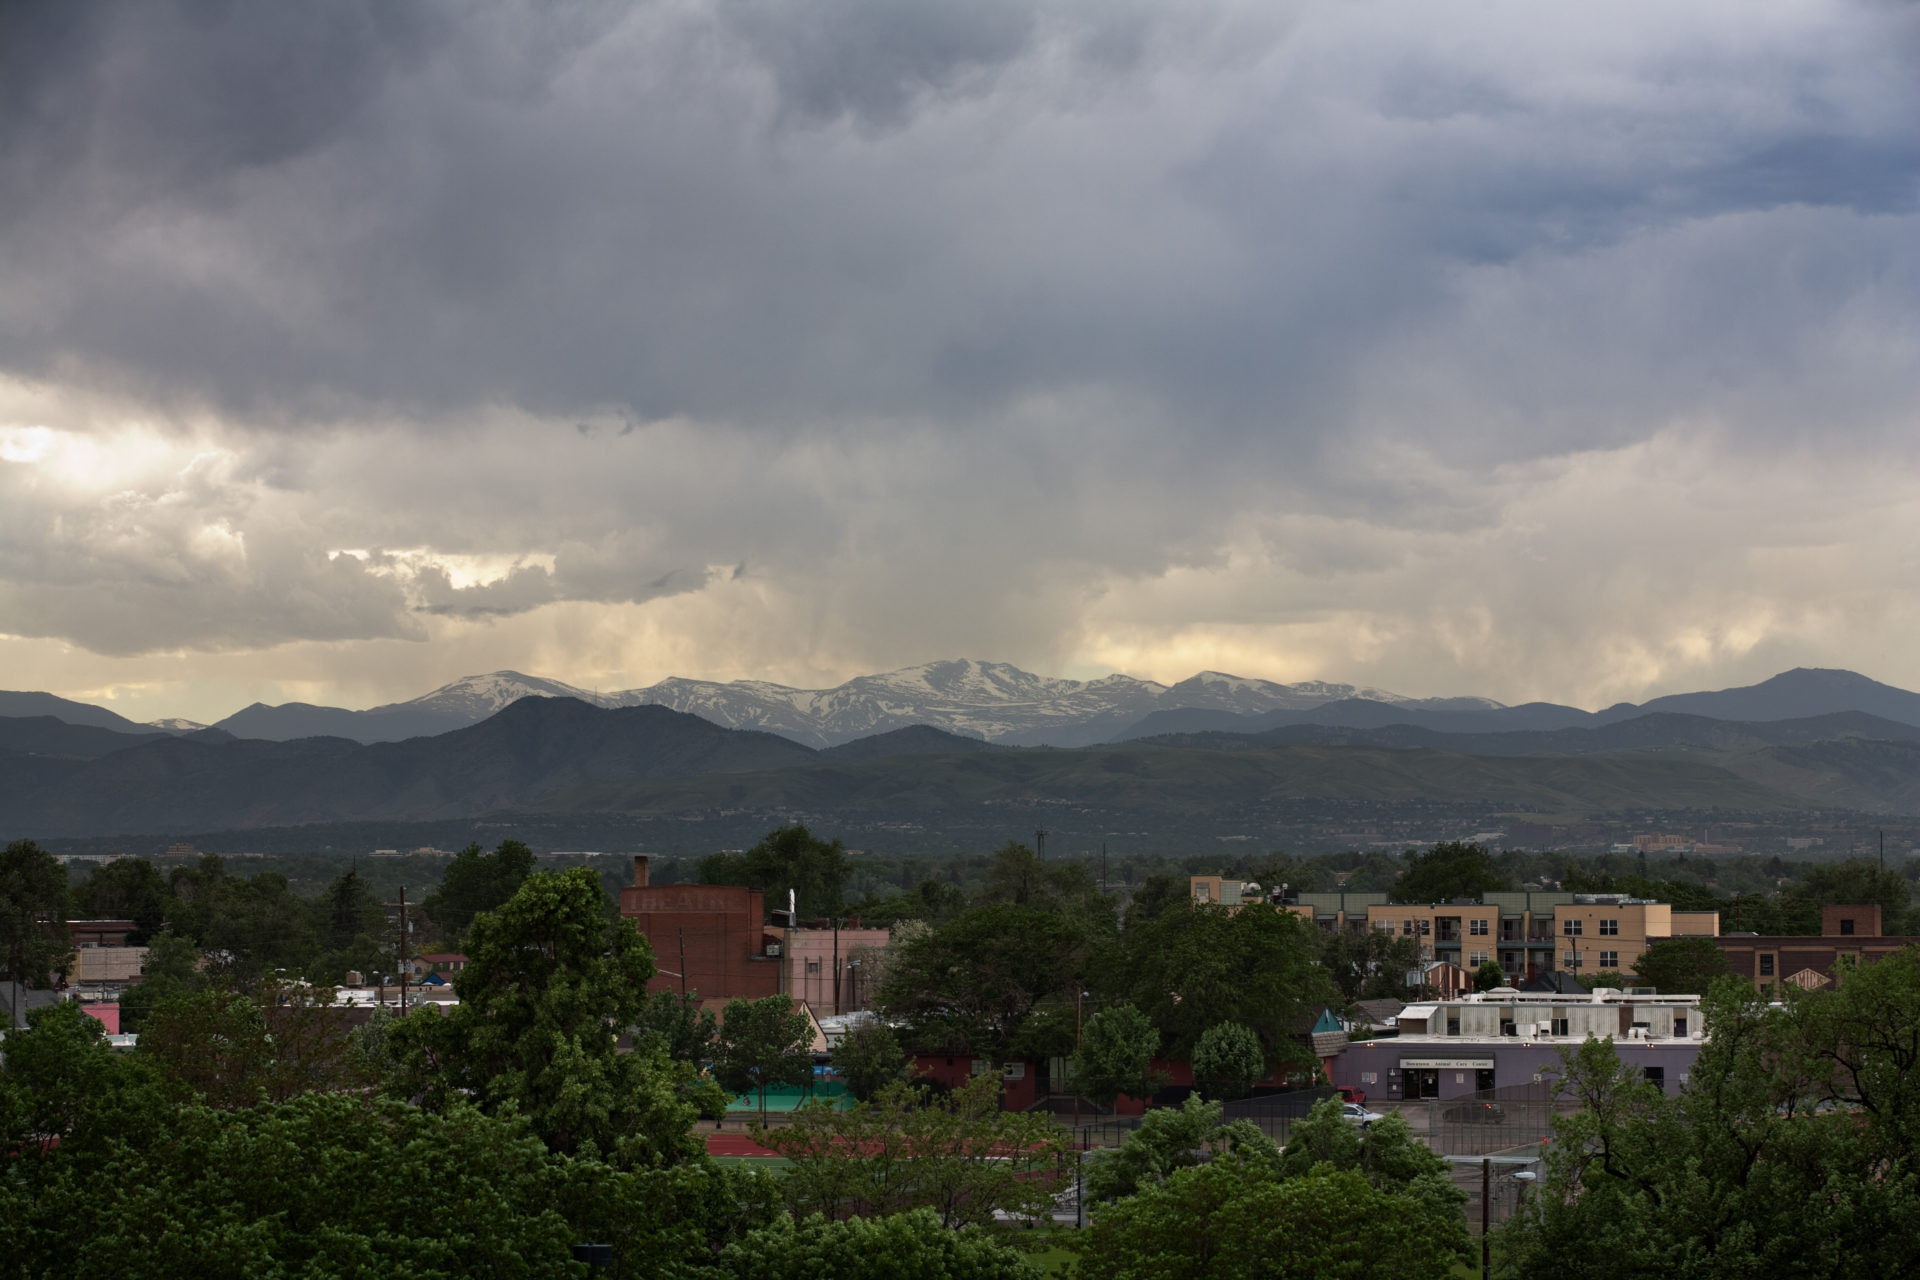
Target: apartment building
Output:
[{"x": 1527, "y": 933}]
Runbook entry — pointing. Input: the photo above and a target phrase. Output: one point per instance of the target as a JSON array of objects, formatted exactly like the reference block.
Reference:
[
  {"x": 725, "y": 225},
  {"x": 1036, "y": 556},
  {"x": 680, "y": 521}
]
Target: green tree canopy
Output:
[
  {"x": 911, "y": 1244},
  {"x": 1681, "y": 965},
  {"x": 476, "y": 882},
  {"x": 995, "y": 981},
  {"x": 1489, "y": 975},
  {"x": 171, "y": 970},
  {"x": 679, "y": 1025},
  {"x": 1228, "y": 1061},
  {"x": 1790, "y": 1152},
  {"x": 1233, "y": 1219},
  {"x": 549, "y": 985},
  {"x": 248, "y": 928},
  {"x": 789, "y": 857},
  {"x": 869, "y": 1058},
  {"x": 1156, "y": 894},
  {"x": 127, "y": 889},
  {"x": 1198, "y": 965},
  {"x": 958, "y": 1155},
  {"x": 1447, "y": 871},
  {"x": 1368, "y": 964},
  {"x": 33, "y": 914},
  {"x": 763, "y": 1044},
  {"x": 1172, "y": 1138},
  {"x": 1115, "y": 1056}
]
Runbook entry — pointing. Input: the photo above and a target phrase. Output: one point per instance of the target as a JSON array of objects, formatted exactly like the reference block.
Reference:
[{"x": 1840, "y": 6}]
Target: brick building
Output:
[
  {"x": 707, "y": 938},
  {"x": 1771, "y": 961}
]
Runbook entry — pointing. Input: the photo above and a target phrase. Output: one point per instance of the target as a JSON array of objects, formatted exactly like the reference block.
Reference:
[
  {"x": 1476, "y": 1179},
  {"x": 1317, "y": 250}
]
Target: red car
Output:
[{"x": 1350, "y": 1094}]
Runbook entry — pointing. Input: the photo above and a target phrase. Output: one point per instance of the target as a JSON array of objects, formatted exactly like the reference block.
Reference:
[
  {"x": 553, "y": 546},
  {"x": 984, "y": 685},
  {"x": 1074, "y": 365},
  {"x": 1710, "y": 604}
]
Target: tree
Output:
[
  {"x": 869, "y": 1058},
  {"x": 1681, "y": 965},
  {"x": 1369, "y": 964},
  {"x": 549, "y": 985},
  {"x": 1172, "y": 1138},
  {"x": 991, "y": 983},
  {"x": 128, "y": 889},
  {"x": 62, "y": 1088},
  {"x": 33, "y": 915},
  {"x": 324, "y": 1185},
  {"x": 1450, "y": 870},
  {"x": 1855, "y": 880},
  {"x": 475, "y": 882},
  {"x": 1154, "y": 896},
  {"x": 1234, "y": 1219},
  {"x": 247, "y": 928},
  {"x": 171, "y": 970},
  {"x": 1115, "y": 1056},
  {"x": 1198, "y": 965},
  {"x": 908, "y": 1244},
  {"x": 1488, "y": 976},
  {"x": 789, "y": 857},
  {"x": 1228, "y": 1061},
  {"x": 1791, "y": 1151},
  {"x": 958, "y": 1155},
  {"x": 764, "y": 1043},
  {"x": 1387, "y": 1155},
  {"x": 233, "y": 1050},
  {"x": 679, "y": 1025},
  {"x": 1017, "y": 876}
]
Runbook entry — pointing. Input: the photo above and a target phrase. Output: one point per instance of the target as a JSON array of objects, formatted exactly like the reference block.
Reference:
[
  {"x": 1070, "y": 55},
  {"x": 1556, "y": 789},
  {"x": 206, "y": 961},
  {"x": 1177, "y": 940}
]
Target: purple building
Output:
[{"x": 1448, "y": 1049}]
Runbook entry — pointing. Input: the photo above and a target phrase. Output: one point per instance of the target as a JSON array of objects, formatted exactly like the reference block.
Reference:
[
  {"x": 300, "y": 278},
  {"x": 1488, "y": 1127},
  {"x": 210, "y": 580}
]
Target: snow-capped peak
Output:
[{"x": 477, "y": 697}]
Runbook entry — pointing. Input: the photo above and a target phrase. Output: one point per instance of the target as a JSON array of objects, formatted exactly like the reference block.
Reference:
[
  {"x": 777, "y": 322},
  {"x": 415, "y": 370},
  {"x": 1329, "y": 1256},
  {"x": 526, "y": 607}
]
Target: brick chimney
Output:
[{"x": 639, "y": 870}]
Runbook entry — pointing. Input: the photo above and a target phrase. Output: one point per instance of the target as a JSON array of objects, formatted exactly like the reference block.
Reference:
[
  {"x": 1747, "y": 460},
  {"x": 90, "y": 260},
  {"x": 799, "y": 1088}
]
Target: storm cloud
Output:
[{"x": 1509, "y": 349}]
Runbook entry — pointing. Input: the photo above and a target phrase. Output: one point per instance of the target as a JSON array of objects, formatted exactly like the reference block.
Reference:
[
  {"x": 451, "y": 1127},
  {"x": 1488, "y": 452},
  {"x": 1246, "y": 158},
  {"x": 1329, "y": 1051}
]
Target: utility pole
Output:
[
  {"x": 1040, "y": 843},
  {"x": 683, "y": 963},
  {"x": 403, "y": 951},
  {"x": 1486, "y": 1198},
  {"x": 836, "y": 964}
]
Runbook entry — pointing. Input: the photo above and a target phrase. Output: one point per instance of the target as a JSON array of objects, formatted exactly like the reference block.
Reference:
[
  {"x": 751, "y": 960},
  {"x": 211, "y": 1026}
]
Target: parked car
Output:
[
  {"x": 1359, "y": 1115},
  {"x": 1350, "y": 1094},
  {"x": 1474, "y": 1113}
]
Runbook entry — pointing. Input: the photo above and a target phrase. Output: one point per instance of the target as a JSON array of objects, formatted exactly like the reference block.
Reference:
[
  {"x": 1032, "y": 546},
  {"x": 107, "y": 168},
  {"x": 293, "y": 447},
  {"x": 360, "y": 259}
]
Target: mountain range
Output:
[
  {"x": 999, "y": 703},
  {"x": 684, "y": 774}
]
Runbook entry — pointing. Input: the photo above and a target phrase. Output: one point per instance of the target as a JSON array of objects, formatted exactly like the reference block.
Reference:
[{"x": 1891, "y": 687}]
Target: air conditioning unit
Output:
[
  {"x": 773, "y": 951},
  {"x": 1014, "y": 1071}
]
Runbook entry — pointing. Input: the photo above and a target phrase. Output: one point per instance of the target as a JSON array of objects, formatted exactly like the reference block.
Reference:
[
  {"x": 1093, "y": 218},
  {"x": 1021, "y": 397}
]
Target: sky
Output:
[{"x": 1524, "y": 350}]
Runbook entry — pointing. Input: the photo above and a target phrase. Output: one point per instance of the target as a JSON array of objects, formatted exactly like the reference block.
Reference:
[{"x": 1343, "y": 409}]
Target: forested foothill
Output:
[{"x": 253, "y": 1131}]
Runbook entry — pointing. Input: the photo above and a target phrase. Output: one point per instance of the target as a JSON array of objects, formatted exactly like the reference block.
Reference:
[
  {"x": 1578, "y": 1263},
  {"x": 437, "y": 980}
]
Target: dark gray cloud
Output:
[{"x": 946, "y": 326}]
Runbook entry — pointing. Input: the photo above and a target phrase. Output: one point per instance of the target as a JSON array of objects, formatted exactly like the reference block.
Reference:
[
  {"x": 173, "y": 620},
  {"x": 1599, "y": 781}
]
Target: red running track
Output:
[{"x": 735, "y": 1144}]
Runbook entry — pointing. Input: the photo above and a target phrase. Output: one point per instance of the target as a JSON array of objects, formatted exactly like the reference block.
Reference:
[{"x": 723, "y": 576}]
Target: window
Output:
[
  {"x": 1609, "y": 927},
  {"x": 1572, "y": 928},
  {"x": 1406, "y": 928},
  {"x": 1559, "y": 1026},
  {"x": 1202, "y": 891},
  {"x": 1656, "y": 1076},
  {"x": 1478, "y": 928},
  {"x": 1384, "y": 926},
  {"x": 1679, "y": 1025},
  {"x": 1846, "y": 926},
  {"x": 1426, "y": 927},
  {"x": 1609, "y": 959},
  {"x": 1475, "y": 959},
  {"x": 1766, "y": 966},
  {"x": 1572, "y": 960}
]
